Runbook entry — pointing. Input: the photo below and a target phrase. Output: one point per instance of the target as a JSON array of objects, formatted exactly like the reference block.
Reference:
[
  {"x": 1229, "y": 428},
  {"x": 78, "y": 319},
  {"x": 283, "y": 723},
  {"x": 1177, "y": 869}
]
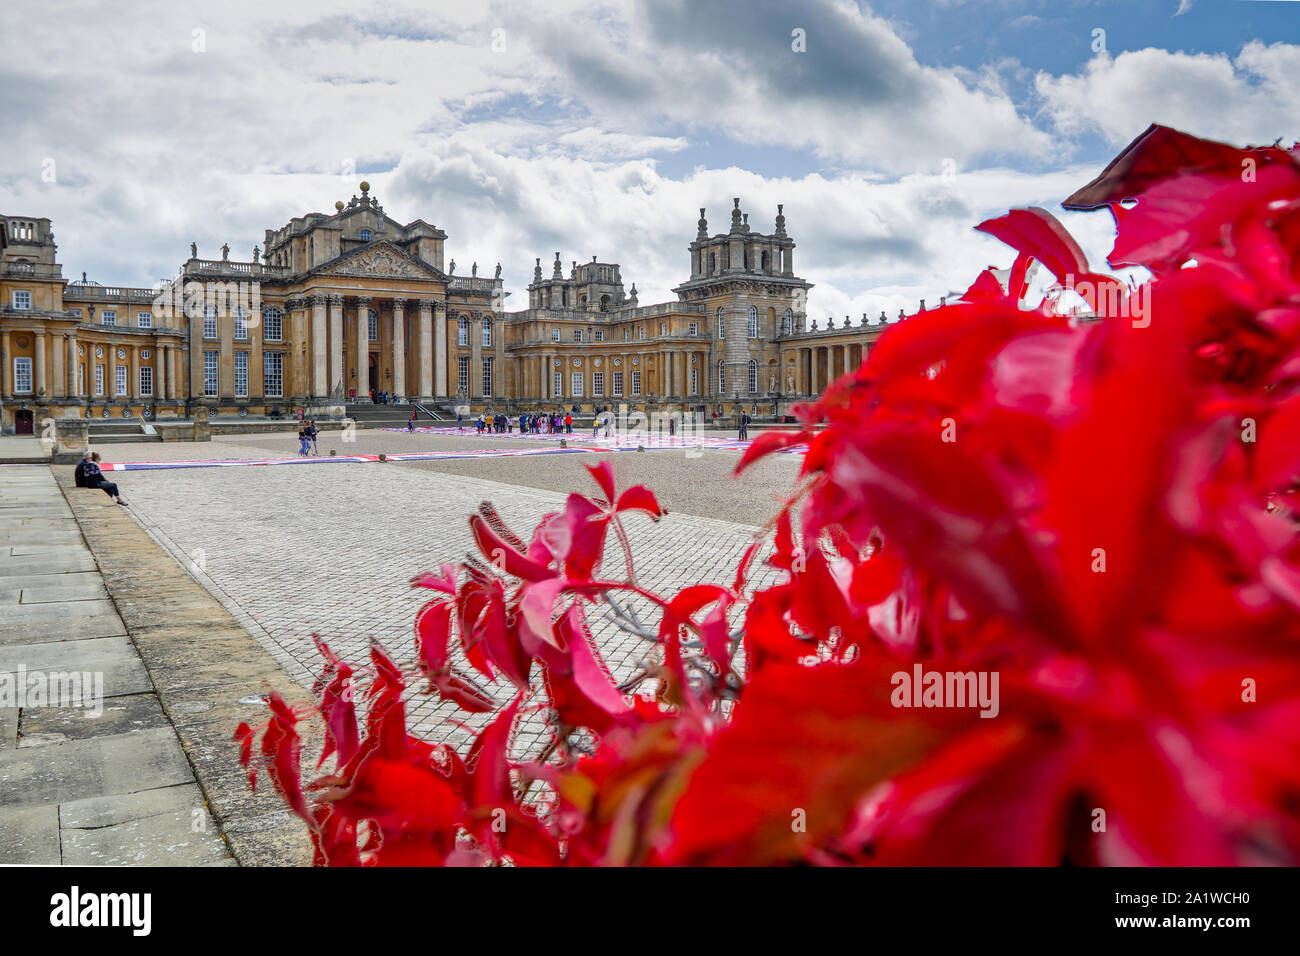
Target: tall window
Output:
[
  {"x": 462, "y": 330},
  {"x": 241, "y": 323},
  {"x": 722, "y": 324},
  {"x": 787, "y": 322},
  {"x": 600, "y": 335},
  {"x": 618, "y": 384},
  {"x": 695, "y": 381},
  {"x": 209, "y": 321},
  {"x": 753, "y": 322},
  {"x": 210, "y": 373},
  {"x": 22, "y": 299},
  {"x": 487, "y": 333},
  {"x": 372, "y": 325},
  {"x": 695, "y": 328},
  {"x": 577, "y": 383},
  {"x": 144, "y": 320},
  {"x": 146, "y": 380},
  {"x": 99, "y": 380},
  {"x": 597, "y": 383},
  {"x": 462, "y": 375},
  {"x": 663, "y": 328},
  {"x": 753, "y": 376},
  {"x": 22, "y": 374},
  {"x": 722, "y": 378},
  {"x": 555, "y": 335},
  {"x": 636, "y": 382},
  {"x": 272, "y": 324},
  {"x": 627, "y": 335},
  {"x": 108, "y": 318},
  {"x": 640, "y": 331},
  {"x": 577, "y": 335},
  {"x": 119, "y": 380},
  {"x": 557, "y": 385},
  {"x": 487, "y": 376},
  {"x": 273, "y": 374},
  {"x": 241, "y": 374}
]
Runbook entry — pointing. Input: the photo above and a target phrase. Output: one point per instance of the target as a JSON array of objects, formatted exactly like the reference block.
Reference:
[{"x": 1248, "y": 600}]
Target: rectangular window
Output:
[
  {"x": 640, "y": 331},
  {"x": 487, "y": 334},
  {"x": 144, "y": 320},
  {"x": 695, "y": 328},
  {"x": 695, "y": 381},
  {"x": 618, "y": 384},
  {"x": 487, "y": 376},
  {"x": 272, "y": 326},
  {"x": 22, "y": 299},
  {"x": 210, "y": 373},
  {"x": 636, "y": 382},
  {"x": 663, "y": 328},
  {"x": 22, "y": 375},
  {"x": 627, "y": 335},
  {"x": 241, "y": 324},
  {"x": 557, "y": 385},
  {"x": 462, "y": 332},
  {"x": 273, "y": 374},
  {"x": 462, "y": 375},
  {"x": 209, "y": 321},
  {"x": 555, "y": 335},
  {"x": 753, "y": 378},
  {"x": 577, "y": 384},
  {"x": 241, "y": 374},
  {"x": 598, "y": 383},
  {"x": 146, "y": 381},
  {"x": 99, "y": 380},
  {"x": 600, "y": 335},
  {"x": 372, "y": 326},
  {"x": 119, "y": 380},
  {"x": 577, "y": 335},
  {"x": 108, "y": 318}
]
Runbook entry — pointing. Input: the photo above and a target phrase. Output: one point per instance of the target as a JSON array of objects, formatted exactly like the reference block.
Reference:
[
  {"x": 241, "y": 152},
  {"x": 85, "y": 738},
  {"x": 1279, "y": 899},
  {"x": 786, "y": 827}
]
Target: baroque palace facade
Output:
[{"x": 335, "y": 306}]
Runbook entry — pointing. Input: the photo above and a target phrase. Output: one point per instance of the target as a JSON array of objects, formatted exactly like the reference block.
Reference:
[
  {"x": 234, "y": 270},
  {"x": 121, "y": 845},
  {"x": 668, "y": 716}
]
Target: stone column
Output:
[
  {"x": 173, "y": 387},
  {"x": 439, "y": 360},
  {"x": 74, "y": 381},
  {"x": 399, "y": 347},
  {"x": 335, "y": 382},
  {"x": 133, "y": 372},
  {"x": 38, "y": 363},
  {"x": 362, "y": 357},
  {"x": 475, "y": 355},
  {"x": 427, "y": 352},
  {"x": 319, "y": 384}
]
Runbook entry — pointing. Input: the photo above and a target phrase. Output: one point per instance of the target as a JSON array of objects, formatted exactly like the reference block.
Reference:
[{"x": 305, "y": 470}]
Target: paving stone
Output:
[
  {"x": 121, "y": 715},
  {"x": 164, "y": 839},
  {"x": 29, "y": 836},
  {"x": 114, "y": 659},
  {"x": 76, "y": 769},
  {"x": 122, "y": 808}
]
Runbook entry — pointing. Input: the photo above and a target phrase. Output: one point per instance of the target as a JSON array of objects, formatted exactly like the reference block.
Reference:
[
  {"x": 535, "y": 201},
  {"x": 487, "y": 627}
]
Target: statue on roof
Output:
[
  {"x": 256, "y": 253},
  {"x": 194, "y": 250},
  {"x": 498, "y": 275},
  {"x": 452, "y": 270},
  {"x": 225, "y": 251},
  {"x": 473, "y": 269}
]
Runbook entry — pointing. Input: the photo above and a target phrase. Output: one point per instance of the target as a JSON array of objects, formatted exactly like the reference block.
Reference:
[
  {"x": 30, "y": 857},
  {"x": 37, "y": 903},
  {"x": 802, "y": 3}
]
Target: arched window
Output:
[
  {"x": 713, "y": 263},
  {"x": 722, "y": 324},
  {"x": 462, "y": 330},
  {"x": 487, "y": 333},
  {"x": 753, "y": 322},
  {"x": 753, "y": 377},
  {"x": 787, "y": 322},
  {"x": 372, "y": 325},
  {"x": 722, "y": 378},
  {"x": 241, "y": 322}
]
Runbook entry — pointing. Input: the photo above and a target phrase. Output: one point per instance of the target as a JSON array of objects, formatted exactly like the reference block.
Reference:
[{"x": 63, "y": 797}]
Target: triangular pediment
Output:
[{"x": 379, "y": 260}]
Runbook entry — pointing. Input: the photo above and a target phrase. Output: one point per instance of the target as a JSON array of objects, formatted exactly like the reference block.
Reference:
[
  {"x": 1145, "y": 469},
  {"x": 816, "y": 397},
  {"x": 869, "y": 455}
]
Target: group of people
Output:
[
  {"x": 378, "y": 397},
  {"x": 88, "y": 475},
  {"x": 307, "y": 439}
]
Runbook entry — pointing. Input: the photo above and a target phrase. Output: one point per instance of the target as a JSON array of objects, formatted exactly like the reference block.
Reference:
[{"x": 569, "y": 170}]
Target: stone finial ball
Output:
[
  {"x": 339, "y": 205},
  {"x": 365, "y": 187}
]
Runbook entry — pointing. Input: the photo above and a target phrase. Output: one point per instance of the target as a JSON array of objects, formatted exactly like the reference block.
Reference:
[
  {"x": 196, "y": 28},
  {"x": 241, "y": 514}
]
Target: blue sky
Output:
[{"x": 600, "y": 128}]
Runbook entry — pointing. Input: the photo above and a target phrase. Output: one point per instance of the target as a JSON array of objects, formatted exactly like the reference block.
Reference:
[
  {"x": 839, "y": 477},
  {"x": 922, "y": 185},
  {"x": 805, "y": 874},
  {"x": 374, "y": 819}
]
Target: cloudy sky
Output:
[{"x": 888, "y": 129}]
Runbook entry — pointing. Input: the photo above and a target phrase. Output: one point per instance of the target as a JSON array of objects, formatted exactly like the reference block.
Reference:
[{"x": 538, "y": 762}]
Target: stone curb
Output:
[{"x": 201, "y": 663}]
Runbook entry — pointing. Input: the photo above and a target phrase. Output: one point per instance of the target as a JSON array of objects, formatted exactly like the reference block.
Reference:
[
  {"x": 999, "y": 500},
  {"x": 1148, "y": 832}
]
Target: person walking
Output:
[
  {"x": 312, "y": 433},
  {"x": 304, "y": 440},
  {"x": 744, "y": 427},
  {"x": 88, "y": 475},
  {"x": 568, "y": 423},
  {"x": 460, "y": 420},
  {"x": 410, "y": 423}
]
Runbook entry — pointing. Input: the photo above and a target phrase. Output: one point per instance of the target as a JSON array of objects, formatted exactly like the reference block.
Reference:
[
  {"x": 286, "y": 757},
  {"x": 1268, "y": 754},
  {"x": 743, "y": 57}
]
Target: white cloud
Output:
[{"x": 1252, "y": 99}]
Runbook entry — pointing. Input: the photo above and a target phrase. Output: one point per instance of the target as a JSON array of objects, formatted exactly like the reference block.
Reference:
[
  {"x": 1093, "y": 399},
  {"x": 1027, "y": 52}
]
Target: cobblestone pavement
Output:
[{"x": 296, "y": 551}]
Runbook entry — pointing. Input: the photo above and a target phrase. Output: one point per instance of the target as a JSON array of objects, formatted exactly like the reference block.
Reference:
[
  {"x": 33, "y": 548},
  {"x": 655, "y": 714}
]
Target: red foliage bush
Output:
[{"x": 1097, "y": 514}]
